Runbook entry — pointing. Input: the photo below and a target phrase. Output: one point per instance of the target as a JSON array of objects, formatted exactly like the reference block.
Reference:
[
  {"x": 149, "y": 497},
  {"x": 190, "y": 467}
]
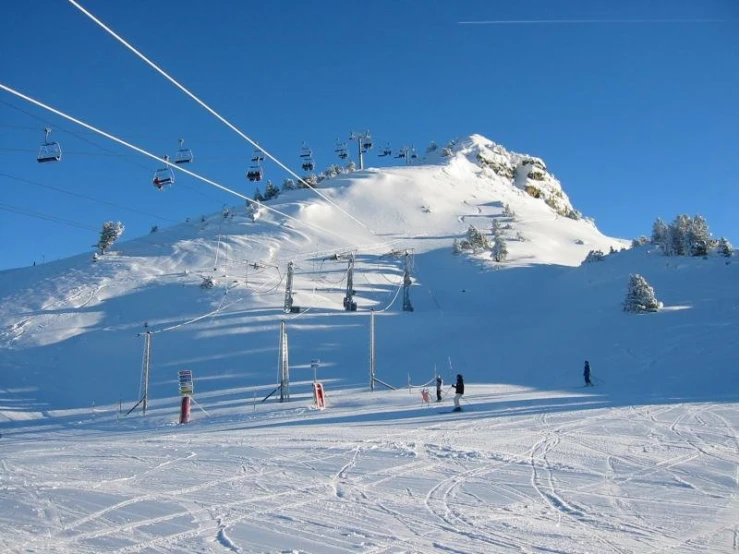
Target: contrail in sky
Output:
[{"x": 588, "y": 21}]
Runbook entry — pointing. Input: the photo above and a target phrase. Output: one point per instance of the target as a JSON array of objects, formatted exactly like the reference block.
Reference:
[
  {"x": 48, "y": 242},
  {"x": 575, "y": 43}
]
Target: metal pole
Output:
[
  {"x": 372, "y": 350},
  {"x": 147, "y": 359}
]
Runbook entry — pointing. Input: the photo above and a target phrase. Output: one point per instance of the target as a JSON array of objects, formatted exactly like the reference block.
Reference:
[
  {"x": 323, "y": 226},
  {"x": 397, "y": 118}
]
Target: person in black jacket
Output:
[
  {"x": 586, "y": 374},
  {"x": 459, "y": 390},
  {"x": 439, "y": 384}
]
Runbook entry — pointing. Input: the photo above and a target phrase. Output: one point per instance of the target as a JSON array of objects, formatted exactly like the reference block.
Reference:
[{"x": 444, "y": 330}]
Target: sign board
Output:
[{"x": 186, "y": 385}]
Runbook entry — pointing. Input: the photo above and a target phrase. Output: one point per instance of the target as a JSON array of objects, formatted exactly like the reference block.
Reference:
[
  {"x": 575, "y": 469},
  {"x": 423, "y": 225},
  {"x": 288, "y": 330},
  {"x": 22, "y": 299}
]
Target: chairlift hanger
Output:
[
  {"x": 50, "y": 151},
  {"x": 163, "y": 176},
  {"x": 184, "y": 155}
]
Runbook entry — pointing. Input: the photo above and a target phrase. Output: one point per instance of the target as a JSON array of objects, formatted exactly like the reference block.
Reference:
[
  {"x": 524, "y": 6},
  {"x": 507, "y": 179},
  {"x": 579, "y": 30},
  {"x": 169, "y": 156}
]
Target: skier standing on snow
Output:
[
  {"x": 459, "y": 390},
  {"x": 586, "y": 374},
  {"x": 439, "y": 384}
]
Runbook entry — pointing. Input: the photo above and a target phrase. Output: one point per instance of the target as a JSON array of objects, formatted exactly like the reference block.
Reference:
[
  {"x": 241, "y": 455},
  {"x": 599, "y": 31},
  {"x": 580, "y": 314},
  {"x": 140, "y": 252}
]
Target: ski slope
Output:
[{"x": 646, "y": 461}]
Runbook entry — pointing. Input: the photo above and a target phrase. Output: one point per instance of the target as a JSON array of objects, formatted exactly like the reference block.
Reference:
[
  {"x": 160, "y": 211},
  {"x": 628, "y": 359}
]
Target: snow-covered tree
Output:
[
  {"x": 258, "y": 195},
  {"x": 351, "y": 167},
  {"x": 677, "y": 242},
  {"x": 476, "y": 239},
  {"x": 508, "y": 212},
  {"x": 594, "y": 256},
  {"x": 208, "y": 282},
  {"x": 456, "y": 246},
  {"x": 495, "y": 228},
  {"x": 724, "y": 248},
  {"x": 432, "y": 147},
  {"x": 640, "y": 296},
  {"x": 659, "y": 232},
  {"x": 699, "y": 237},
  {"x": 640, "y": 241},
  {"x": 332, "y": 171},
  {"x": 110, "y": 233},
  {"x": 270, "y": 191},
  {"x": 310, "y": 180},
  {"x": 288, "y": 184},
  {"x": 500, "y": 249}
]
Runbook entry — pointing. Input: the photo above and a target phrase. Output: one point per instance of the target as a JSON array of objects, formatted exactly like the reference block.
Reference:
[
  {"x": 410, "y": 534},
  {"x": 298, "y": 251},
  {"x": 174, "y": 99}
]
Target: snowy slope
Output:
[
  {"x": 53, "y": 316},
  {"x": 644, "y": 462}
]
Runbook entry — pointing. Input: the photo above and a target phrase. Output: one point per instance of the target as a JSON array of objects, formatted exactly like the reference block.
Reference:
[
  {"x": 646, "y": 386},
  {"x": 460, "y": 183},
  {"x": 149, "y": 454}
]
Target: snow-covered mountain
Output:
[
  {"x": 643, "y": 462},
  {"x": 54, "y": 316}
]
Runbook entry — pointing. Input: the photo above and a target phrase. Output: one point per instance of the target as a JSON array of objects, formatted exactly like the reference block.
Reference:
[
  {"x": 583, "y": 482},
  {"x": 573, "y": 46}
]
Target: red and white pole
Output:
[{"x": 185, "y": 410}]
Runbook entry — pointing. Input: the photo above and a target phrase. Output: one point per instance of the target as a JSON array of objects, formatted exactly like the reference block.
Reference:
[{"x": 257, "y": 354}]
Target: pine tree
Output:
[
  {"x": 659, "y": 232},
  {"x": 594, "y": 256},
  {"x": 110, "y": 233},
  {"x": 495, "y": 228},
  {"x": 288, "y": 184},
  {"x": 508, "y": 212},
  {"x": 500, "y": 249},
  {"x": 270, "y": 191},
  {"x": 351, "y": 166},
  {"x": 725, "y": 248},
  {"x": 456, "y": 246},
  {"x": 698, "y": 236},
  {"x": 477, "y": 240},
  {"x": 640, "y": 296},
  {"x": 678, "y": 240},
  {"x": 258, "y": 195}
]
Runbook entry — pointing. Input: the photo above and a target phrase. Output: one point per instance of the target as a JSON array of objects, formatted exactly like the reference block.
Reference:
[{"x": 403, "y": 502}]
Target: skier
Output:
[
  {"x": 586, "y": 374},
  {"x": 459, "y": 390},
  {"x": 439, "y": 384}
]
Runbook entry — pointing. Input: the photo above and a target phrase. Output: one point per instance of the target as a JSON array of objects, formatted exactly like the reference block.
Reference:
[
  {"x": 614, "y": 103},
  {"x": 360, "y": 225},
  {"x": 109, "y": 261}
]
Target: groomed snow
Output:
[{"x": 646, "y": 461}]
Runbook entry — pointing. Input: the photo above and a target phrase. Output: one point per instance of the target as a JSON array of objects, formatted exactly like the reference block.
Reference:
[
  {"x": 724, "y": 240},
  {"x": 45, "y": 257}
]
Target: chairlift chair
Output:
[
  {"x": 50, "y": 151},
  {"x": 308, "y": 165},
  {"x": 403, "y": 153},
  {"x": 341, "y": 150},
  {"x": 386, "y": 151},
  {"x": 255, "y": 173},
  {"x": 163, "y": 176},
  {"x": 184, "y": 155},
  {"x": 258, "y": 156},
  {"x": 305, "y": 151}
]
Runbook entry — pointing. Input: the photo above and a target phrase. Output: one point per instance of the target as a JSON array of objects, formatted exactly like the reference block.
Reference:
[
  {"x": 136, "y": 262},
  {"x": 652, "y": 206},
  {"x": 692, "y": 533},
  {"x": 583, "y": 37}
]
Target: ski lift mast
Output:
[
  {"x": 364, "y": 143},
  {"x": 349, "y": 304}
]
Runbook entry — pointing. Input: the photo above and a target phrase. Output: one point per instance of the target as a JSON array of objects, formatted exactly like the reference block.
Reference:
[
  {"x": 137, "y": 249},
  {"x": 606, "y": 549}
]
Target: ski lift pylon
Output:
[
  {"x": 163, "y": 176},
  {"x": 50, "y": 151},
  {"x": 184, "y": 155}
]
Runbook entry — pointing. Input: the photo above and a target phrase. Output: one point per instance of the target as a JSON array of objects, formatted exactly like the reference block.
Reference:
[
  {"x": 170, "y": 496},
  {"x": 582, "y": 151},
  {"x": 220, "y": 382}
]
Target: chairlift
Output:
[
  {"x": 341, "y": 150},
  {"x": 184, "y": 155},
  {"x": 413, "y": 153},
  {"x": 163, "y": 176},
  {"x": 403, "y": 153},
  {"x": 305, "y": 151},
  {"x": 50, "y": 151},
  {"x": 367, "y": 142},
  {"x": 308, "y": 165},
  {"x": 255, "y": 173},
  {"x": 386, "y": 151},
  {"x": 258, "y": 156}
]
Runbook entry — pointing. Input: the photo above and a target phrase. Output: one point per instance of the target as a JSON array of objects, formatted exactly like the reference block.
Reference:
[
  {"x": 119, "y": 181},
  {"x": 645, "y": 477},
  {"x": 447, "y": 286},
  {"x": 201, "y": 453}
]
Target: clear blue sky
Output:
[{"x": 638, "y": 120}]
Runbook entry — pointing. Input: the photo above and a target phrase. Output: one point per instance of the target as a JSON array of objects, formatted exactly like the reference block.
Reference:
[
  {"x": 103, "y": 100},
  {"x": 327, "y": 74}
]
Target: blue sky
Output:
[{"x": 638, "y": 120}]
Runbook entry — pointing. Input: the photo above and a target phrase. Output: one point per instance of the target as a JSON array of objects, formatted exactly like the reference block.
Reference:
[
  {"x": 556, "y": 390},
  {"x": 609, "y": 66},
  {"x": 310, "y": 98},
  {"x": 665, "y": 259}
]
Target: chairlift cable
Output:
[
  {"x": 70, "y": 193},
  {"x": 47, "y": 217},
  {"x": 169, "y": 164},
  {"x": 213, "y": 112}
]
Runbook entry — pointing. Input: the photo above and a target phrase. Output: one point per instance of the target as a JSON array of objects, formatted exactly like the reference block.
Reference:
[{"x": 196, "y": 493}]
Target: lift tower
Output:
[
  {"x": 349, "y": 304},
  {"x": 288, "y": 307},
  {"x": 407, "y": 306}
]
